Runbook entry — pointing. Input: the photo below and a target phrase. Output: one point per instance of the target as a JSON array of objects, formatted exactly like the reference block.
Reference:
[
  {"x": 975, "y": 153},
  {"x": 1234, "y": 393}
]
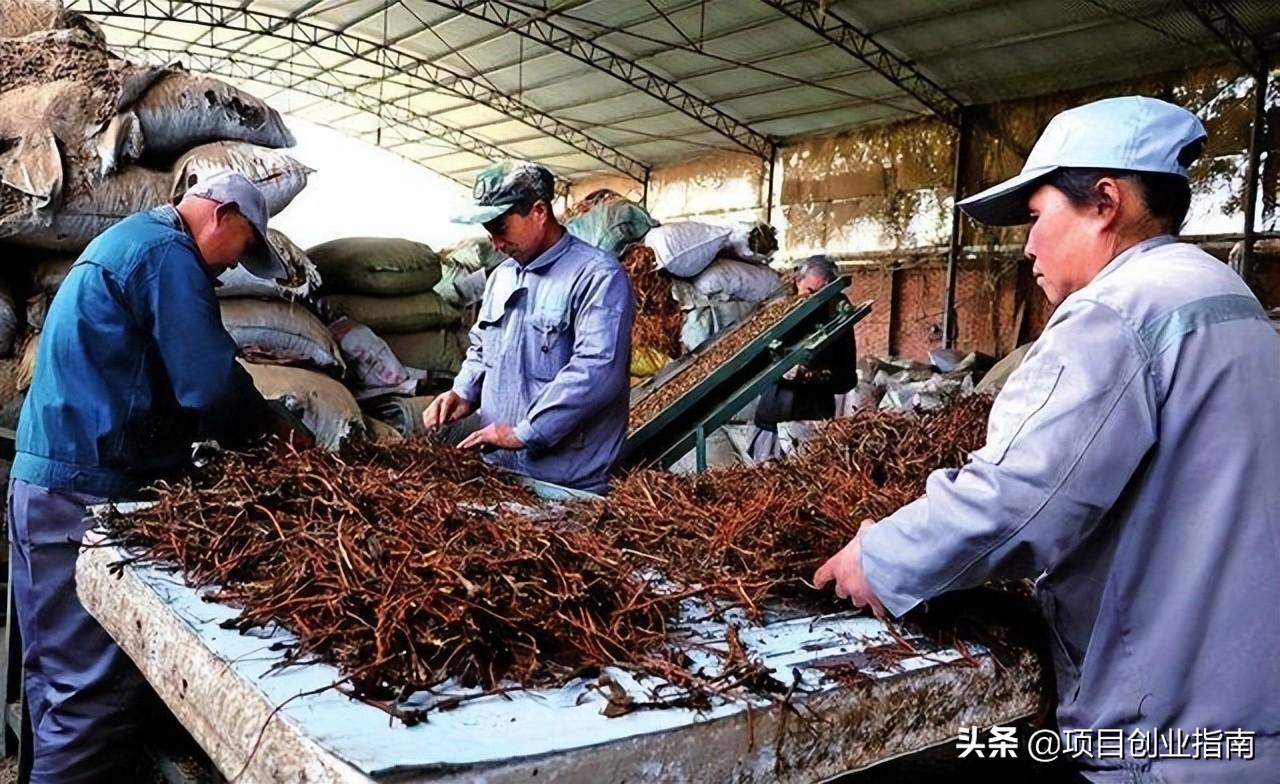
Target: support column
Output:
[
  {"x": 963, "y": 133},
  {"x": 1256, "y": 140}
]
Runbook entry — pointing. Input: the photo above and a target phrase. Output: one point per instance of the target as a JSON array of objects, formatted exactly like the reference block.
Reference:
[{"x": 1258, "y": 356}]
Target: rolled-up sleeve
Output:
[
  {"x": 1066, "y": 434},
  {"x": 596, "y": 373}
]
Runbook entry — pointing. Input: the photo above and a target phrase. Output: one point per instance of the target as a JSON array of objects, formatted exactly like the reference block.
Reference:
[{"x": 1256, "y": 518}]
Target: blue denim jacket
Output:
[
  {"x": 134, "y": 365},
  {"x": 550, "y": 356}
]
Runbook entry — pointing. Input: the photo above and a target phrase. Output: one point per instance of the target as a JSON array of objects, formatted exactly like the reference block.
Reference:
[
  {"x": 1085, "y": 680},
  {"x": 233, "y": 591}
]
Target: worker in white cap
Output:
[
  {"x": 134, "y": 365},
  {"x": 1130, "y": 468}
]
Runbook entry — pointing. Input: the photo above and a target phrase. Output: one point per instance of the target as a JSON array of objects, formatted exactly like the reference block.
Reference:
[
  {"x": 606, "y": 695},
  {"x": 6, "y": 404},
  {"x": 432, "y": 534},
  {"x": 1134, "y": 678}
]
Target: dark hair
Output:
[
  {"x": 1167, "y": 196},
  {"x": 525, "y": 206},
  {"x": 821, "y": 266}
]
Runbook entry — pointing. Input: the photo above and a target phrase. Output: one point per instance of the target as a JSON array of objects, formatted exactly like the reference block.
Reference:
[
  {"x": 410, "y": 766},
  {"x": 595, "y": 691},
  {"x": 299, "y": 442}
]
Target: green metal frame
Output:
[
  {"x": 715, "y": 399},
  {"x": 786, "y": 358}
]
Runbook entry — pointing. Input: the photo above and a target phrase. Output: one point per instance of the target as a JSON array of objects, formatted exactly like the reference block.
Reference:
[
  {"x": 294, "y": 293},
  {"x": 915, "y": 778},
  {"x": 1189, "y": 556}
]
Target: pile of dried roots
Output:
[
  {"x": 411, "y": 564},
  {"x": 386, "y": 565},
  {"x": 751, "y": 533},
  {"x": 658, "y": 316}
]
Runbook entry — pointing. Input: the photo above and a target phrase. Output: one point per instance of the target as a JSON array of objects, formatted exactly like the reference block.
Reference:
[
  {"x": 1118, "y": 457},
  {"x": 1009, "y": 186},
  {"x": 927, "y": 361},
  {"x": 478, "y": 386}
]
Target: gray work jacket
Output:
[
  {"x": 550, "y": 356},
  {"x": 1132, "y": 465}
]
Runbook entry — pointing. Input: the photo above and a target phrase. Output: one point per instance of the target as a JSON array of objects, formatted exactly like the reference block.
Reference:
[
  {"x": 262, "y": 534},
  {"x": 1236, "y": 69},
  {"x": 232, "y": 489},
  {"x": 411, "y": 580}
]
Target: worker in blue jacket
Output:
[
  {"x": 550, "y": 354},
  {"x": 1130, "y": 467},
  {"x": 134, "y": 365}
]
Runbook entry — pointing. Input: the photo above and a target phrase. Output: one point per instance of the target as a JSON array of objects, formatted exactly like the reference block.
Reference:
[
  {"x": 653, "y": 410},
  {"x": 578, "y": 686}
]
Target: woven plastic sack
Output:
[
  {"x": 280, "y": 177},
  {"x": 439, "y": 350},
  {"x": 302, "y": 277},
  {"x": 473, "y": 254},
  {"x": 281, "y": 333},
  {"x": 396, "y": 315},
  {"x": 326, "y": 407},
  {"x": 377, "y": 266},
  {"x": 706, "y": 321},
  {"x": 728, "y": 280},
  {"x": 611, "y": 225},
  {"x": 686, "y": 249},
  {"x": 87, "y": 214}
]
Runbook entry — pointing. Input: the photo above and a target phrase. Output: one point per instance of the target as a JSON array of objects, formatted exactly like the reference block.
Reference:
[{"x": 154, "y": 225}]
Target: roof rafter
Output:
[
  {"x": 814, "y": 15},
  {"x": 1214, "y": 15},
  {"x": 542, "y": 29},
  {"x": 307, "y": 34}
]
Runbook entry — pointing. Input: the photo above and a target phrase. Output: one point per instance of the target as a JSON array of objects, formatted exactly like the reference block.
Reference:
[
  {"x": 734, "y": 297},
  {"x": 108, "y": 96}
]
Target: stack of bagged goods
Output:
[
  {"x": 612, "y": 222},
  {"x": 271, "y": 322},
  {"x": 389, "y": 286},
  {"x": 91, "y": 138},
  {"x": 94, "y": 138},
  {"x": 721, "y": 273},
  {"x": 290, "y": 353}
]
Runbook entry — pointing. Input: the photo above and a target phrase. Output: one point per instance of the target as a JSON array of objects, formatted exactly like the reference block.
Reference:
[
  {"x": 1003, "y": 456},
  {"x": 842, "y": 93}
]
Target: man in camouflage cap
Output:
[{"x": 548, "y": 362}]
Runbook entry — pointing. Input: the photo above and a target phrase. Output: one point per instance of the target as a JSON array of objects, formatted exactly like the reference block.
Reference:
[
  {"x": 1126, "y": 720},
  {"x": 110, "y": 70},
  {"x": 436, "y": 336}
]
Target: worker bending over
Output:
[{"x": 134, "y": 365}]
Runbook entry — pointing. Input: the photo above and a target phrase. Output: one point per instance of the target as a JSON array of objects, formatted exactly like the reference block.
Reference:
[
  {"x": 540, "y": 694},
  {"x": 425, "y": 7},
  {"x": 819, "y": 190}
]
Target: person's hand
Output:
[
  {"x": 446, "y": 408},
  {"x": 845, "y": 568},
  {"x": 496, "y": 435}
]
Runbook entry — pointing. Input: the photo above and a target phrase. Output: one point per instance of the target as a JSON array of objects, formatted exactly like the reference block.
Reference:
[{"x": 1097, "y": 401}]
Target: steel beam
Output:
[
  {"x": 814, "y": 15},
  {"x": 307, "y": 34},
  {"x": 544, "y": 30}
]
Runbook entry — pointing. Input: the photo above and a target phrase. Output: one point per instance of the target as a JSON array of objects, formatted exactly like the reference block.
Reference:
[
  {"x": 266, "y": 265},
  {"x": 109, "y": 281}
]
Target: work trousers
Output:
[{"x": 82, "y": 691}]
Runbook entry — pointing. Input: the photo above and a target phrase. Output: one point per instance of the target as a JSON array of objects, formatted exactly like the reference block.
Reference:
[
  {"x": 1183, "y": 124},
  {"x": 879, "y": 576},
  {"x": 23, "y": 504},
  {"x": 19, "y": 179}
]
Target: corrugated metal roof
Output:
[{"x": 622, "y": 85}]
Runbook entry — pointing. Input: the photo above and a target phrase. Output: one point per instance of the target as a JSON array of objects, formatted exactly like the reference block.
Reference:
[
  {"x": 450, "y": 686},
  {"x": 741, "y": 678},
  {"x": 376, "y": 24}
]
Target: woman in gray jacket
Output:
[{"x": 1131, "y": 467}]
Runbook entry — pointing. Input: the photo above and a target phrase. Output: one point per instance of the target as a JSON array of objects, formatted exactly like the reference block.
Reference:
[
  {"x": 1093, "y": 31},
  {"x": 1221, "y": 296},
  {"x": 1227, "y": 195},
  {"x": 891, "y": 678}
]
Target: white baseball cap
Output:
[{"x": 1129, "y": 134}]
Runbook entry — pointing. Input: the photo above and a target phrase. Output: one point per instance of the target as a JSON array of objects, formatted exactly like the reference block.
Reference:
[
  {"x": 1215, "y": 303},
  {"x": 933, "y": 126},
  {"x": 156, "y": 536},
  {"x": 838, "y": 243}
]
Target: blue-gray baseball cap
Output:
[
  {"x": 507, "y": 184},
  {"x": 1129, "y": 134},
  {"x": 232, "y": 187}
]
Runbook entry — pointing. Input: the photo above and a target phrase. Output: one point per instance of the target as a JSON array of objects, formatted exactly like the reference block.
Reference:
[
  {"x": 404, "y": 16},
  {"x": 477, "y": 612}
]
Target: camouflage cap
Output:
[{"x": 505, "y": 185}]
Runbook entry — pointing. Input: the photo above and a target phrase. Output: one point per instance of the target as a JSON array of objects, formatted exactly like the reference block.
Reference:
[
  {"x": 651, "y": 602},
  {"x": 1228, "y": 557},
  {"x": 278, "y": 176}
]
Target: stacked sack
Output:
[
  {"x": 614, "y": 223},
  {"x": 95, "y": 138},
  {"x": 286, "y": 348},
  {"x": 721, "y": 273},
  {"x": 388, "y": 285}
]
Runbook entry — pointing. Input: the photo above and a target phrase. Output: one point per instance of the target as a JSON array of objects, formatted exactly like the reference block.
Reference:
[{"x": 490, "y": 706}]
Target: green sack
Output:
[
  {"x": 410, "y": 313},
  {"x": 611, "y": 225},
  {"x": 438, "y": 350},
  {"x": 377, "y": 266}
]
